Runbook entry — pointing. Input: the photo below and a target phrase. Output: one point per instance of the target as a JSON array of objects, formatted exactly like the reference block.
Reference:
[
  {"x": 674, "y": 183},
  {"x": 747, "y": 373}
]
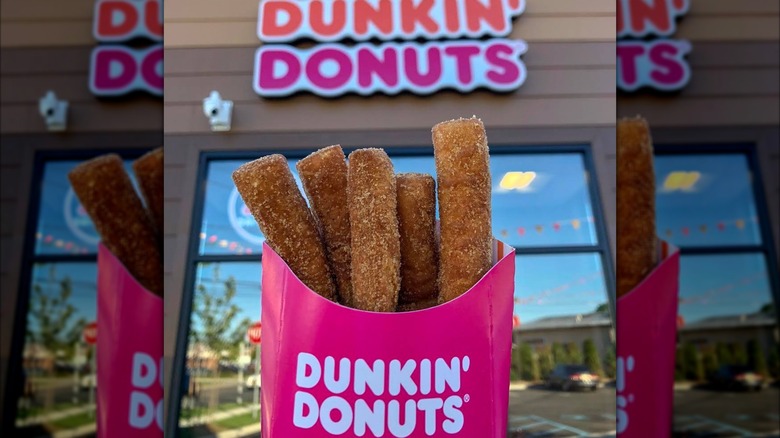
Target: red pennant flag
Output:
[
  {"x": 521, "y": 231},
  {"x": 685, "y": 231},
  {"x": 721, "y": 226},
  {"x": 556, "y": 226}
]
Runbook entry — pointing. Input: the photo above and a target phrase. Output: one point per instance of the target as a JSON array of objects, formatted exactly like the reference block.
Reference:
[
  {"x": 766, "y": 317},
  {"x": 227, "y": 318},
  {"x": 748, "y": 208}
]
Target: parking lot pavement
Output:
[
  {"x": 539, "y": 412},
  {"x": 708, "y": 413}
]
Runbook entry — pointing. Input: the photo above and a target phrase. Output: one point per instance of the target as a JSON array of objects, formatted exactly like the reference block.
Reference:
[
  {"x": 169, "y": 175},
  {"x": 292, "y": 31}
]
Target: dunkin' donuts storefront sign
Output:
[
  {"x": 116, "y": 68},
  {"x": 467, "y": 47},
  {"x": 646, "y": 56}
]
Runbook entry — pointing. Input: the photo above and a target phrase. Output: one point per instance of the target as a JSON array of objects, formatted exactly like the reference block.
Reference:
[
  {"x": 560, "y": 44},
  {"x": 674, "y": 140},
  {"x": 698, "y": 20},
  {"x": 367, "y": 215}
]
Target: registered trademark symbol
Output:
[{"x": 466, "y": 398}]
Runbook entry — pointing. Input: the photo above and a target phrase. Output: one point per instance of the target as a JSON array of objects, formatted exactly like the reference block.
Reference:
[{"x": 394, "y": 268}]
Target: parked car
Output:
[
  {"x": 570, "y": 377},
  {"x": 737, "y": 377},
  {"x": 253, "y": 381}
]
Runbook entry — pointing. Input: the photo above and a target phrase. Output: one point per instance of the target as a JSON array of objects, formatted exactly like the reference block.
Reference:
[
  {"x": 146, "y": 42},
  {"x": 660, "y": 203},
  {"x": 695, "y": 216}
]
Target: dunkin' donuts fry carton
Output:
[
  {"x": 646, "y": 341},
  {"x": 129, "y": 354},
  {"x": 330, "y": 370}
]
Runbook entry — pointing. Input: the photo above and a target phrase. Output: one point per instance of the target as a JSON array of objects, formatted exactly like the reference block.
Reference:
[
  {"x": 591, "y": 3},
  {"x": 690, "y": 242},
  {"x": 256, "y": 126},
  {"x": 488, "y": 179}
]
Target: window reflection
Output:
[{"x": 58, "y": 380}]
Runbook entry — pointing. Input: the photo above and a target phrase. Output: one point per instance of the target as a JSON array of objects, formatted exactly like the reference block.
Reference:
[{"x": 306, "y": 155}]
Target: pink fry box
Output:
[
  {"x": 329, "y": 370},
  {"x": 129, "y": 354},
  {"x": 646, "y": 341}
]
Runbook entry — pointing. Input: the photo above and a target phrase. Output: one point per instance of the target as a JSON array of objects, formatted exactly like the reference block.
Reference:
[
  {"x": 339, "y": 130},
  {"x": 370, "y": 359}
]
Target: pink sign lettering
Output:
[
  {"x": 390, "y": 68},
  {"x": 119, "y": 70}
]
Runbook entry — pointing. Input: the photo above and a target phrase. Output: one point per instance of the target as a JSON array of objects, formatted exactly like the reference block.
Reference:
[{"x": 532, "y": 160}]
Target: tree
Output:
[
  {"x": 529, "y": 370},
  {"x": 693, "y": 367},
  {"x": 774, "y": 362},
  {"x": 740, "y": 353},
  {"x": 573, "y": 353},
  {"x": 709, "y": 361},
  {"x": 756, "y": 359},
  {"x": 559, "y": 354},
  {"x": 679, "y": 365},
  {"x": 591, "y": 357},
  {"x": 546, "y": 363},
  {"x": 602, "y": 308},
  {"x": 515, "y": 365},
  {"x": 215, "y": 315},
  {"x": 724, "y": 354},
  {"x": 768, "y": 309},
  {"x": 52, "y": 317},
  {"x": 610, "y": 363}
]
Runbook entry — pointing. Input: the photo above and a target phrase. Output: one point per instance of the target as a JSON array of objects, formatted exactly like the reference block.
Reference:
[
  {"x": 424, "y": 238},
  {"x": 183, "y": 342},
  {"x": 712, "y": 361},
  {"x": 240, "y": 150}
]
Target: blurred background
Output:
[
  {"x": 72, "y": 88},
  {"x": 717, "y": 146},
  {"x": 553, "y": 167}
]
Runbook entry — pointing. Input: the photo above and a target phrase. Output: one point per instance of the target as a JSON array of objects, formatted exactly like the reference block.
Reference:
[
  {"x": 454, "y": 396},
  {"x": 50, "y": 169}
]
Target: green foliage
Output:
[
  {"x": 725, "y": 356},
  {"x": 602, "y": 308},
  {"x": 610, "y": 363},
  {"x": 52, "y": 317},
  {"x": 591, "y": 357},
  {"x": 679, "y": 365},
  {"x": 709, "y": 360},
  {"x": 693, "y": 367},
  {"x": 573, "y": 353},
  {"x": 215, "y": 314},
  {"x": 559, "y": 354},
  {"x": 516, "y": 365},
  {"x": 546, "y": 363},
  {"x": 756, "y": 358},
  {"x": 530, "y": 369},
  {"x": 739, "y": 354},
  {"x": 773, "y": 359}
]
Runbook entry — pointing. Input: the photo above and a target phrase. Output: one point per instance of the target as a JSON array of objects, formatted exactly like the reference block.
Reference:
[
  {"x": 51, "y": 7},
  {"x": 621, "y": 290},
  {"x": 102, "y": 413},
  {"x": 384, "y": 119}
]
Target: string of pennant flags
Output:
[
  {"x": 719, "y": 226},
  {"x": 555, "y": 226},
  {"x": 65, "y": 245}
]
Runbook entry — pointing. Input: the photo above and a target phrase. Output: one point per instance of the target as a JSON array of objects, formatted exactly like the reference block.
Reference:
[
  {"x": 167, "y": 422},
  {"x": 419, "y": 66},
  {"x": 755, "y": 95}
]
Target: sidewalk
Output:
[
  {"x": 86, "y": 429},
  {"x": 242, "y": 432},
  {"x": 210, "y": 418},
  {"x": 52, "y": 416}
]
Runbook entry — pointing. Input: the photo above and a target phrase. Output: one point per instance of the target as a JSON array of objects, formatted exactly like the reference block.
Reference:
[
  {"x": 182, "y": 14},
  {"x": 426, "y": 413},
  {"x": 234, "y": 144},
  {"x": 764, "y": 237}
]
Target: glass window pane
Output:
[
  {"x": 561, "y": 301},
  {"x": 58, "y": 366},
  {"x": 727, "y": 345},
  {"x": 218, "y": 393},
  {"x": 538, "y": 200},
  {"x": 706, "y": 200},
  {"x": 63, "y": 225},
  {"x": 228, "y": 226}
]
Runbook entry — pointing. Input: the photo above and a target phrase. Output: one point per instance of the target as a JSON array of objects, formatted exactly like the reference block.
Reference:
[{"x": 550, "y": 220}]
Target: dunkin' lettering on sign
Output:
[
  {"x": 122, "y": 20},
  {"x": 146, "y": 407},
  {"x": 116, "y": 69},
  {"x": 365, "y": 68},
  {"x": 430, "y": 387},
  {"x": 655, "y": 63}
]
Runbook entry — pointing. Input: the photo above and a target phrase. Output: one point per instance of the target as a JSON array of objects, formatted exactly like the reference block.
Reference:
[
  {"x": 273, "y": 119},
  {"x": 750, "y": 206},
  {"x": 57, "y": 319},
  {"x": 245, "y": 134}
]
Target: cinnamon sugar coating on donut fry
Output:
[
  {"x": 418, "y": 305},
  {"x": 107, "y": 194},
  {"x": 376, "y": 252},
  {"x": 417, "y": 227},
  {"x": 149, "y": 173},
  {"x": 268, "y": 188},
  {"x": 636, "y": 235},
  {"x": 464, "y": 186},
  {"x": 324, "y": 177}
]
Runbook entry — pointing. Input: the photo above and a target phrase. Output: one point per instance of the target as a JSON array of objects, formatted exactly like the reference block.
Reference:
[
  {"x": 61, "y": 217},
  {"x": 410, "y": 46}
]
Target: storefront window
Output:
[
  {"x": 543, "y": 204},
  {"x": 727, "y": 339},
  {"x": 57, "y": 382}
]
